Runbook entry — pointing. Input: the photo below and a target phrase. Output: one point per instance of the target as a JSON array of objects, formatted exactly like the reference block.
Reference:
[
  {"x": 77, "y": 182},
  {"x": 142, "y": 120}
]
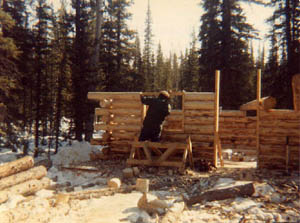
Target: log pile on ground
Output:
[{"x": 21, "y": 177}]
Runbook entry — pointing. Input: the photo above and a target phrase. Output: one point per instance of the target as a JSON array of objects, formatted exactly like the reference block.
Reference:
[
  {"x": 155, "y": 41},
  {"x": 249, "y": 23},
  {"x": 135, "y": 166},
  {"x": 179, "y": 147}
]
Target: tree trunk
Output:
[{"x": 94, "y": 69}]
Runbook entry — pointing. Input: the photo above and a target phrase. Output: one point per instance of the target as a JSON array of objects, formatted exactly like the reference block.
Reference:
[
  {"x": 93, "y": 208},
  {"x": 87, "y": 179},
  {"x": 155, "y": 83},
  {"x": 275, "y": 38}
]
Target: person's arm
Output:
[{"x": 147, "y": 100}]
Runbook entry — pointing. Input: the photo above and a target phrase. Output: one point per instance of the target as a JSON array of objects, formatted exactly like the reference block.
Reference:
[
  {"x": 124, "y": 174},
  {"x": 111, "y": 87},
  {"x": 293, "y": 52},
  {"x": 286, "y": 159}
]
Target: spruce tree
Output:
[
  {"x": 148, "y": 52},
  {"x": 80, "y": 64},
  {"x": 8, "y": 79},
  {"x": 175, "y": 73},
  {"x": 159, "y": 79},
  {"x": 118, "y": 45},
  {"x": 224, "y": 40},
  {"x": 284, "y": 37},
  {"x": 41, "y": 52},
  {"x": 61, "y": 68}
]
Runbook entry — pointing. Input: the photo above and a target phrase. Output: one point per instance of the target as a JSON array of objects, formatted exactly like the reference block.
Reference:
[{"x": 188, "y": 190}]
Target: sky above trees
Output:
[{"x": 173, "y": 22}]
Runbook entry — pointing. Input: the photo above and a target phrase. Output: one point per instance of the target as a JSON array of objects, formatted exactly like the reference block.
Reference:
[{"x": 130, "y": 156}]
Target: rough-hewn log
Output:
[
  {"x": 232, "y": 137},
  {"x": 199, "y": 96},
  {"x": 296, "y": 91},
  {"x": 200, "y": 113},
  {"x": 237, "y": 132},
  {"x": 30, "y": 187},
  {"x": 279, "y": 132},
  {"x": 266, "y": 103},
  {"x": 182, "y": 137},
  {"x": 105, "y": 103},
  {"x": 280, "y": 114},
  {"x": 130, "y": 128},
  {"x": 126, "y": 104},
  {"x": 175, "y": 117},
  {"x": 288, "y": 124},
  {"x": 223, "y": 194},
  {"x": 279, "y": 140},
  {"x": 127, "y": 112},
  {"x": 199, "y": 105},
  {"x": 199, "y": 120},
  {"x": 229, "y": 119},
  {"x": 176, "y": 112},
  {"x": 200, "y": 129},
  {"x": 124, "y": 135},
  {"x": 234, "y": 125},
  {"x": 96, "y": 193},
  {"x": 33, "y": 173},
  {"x": 176, "y": 145},
  {"x": 270, "y": 150},
  {"x": 26, "y": 188},
  {"x": 233, "y": 113},
  {"x": 16, "y": 166},
  {"x": 114, "y": 95},
  {"x": 122, "y": 119}
]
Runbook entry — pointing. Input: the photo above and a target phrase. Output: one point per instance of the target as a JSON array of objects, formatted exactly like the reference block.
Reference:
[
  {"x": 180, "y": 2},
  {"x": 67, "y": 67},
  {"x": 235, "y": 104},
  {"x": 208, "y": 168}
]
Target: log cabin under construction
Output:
[{"x": 197, "y": 129}]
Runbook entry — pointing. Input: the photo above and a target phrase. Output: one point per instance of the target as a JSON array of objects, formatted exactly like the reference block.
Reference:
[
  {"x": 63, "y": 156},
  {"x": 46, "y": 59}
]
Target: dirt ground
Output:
[{"x": 276, "y": 198}]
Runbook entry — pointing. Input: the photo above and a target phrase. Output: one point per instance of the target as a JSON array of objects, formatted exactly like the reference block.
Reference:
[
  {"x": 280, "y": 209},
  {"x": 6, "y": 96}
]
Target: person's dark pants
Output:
[{"x": 151, "y": 133}]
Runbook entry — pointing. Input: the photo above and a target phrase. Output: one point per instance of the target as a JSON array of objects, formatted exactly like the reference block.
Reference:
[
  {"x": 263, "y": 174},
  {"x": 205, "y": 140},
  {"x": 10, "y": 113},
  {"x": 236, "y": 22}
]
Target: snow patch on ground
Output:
[
  {"x": 7, "y": 155},
  {"x": 77, "y": 153}
]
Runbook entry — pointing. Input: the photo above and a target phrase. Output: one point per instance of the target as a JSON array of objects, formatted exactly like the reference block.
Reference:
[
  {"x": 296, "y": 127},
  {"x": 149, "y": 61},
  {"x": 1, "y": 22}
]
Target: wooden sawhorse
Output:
[{"x": 159, "y": 154}]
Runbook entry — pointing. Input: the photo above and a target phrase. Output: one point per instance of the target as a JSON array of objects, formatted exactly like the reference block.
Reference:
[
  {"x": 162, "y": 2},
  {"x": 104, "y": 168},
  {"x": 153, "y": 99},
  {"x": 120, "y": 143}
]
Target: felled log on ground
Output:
[
  {"x": 25, "y": 188},
  {"x": 266, "y": 103},
  {"x": 223, "y": 194},
  {"x": 16, "y": 166},
  {"x": 33, "y": 173},
  {"x": 97, "y": 193}
]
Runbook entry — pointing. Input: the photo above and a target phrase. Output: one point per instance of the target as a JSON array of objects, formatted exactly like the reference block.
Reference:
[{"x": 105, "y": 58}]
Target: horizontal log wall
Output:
[
  {"x": 238, "y": 132},
  {"x": 274, "y": 128},
  {"x": 121, "y": 119},
  {"x": 120, "y": 116}
]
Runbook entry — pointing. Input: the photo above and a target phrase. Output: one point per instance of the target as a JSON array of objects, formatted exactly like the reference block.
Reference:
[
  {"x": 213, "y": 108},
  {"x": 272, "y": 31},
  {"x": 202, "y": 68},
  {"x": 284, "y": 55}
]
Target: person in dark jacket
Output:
[{"x": 159, "y": 108}]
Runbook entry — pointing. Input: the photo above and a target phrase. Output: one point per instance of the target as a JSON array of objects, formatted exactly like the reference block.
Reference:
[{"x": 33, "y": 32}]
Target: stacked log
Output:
[
  {"x": 121, "y": 114},
  {"x": 199, "y": 120},
  {"x": 238, "y": 132},
  {"x": 21, "y": 177},
  {"x": 279, "y": 136}
]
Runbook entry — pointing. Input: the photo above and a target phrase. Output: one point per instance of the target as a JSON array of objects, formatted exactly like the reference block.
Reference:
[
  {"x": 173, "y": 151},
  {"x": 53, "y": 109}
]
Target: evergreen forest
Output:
[{"x": 50, "y": 58}]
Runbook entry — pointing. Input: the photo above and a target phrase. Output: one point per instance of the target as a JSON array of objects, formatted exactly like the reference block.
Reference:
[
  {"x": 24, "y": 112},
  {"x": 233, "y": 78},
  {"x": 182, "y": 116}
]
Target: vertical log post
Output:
[
  {"x": 258, "y": 95},
  {"x": 216, "y": 125},
  {"x": 183, "y": 105}
]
